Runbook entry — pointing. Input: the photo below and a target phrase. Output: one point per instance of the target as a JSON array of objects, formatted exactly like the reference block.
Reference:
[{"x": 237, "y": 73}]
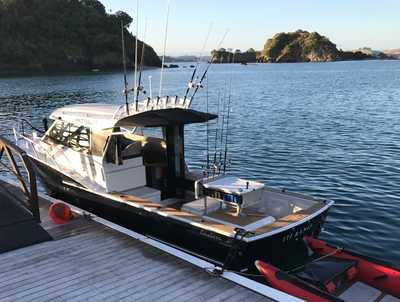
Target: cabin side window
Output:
[{"x": 70, "y": 135}]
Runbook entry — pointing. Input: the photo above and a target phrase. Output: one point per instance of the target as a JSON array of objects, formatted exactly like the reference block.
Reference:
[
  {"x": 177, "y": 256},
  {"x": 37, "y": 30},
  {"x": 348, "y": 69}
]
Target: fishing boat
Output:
[
  {"x": 131, "y": 169},
  {"x": 336, "y": 275},
  {"x": 127, "y": 163}
]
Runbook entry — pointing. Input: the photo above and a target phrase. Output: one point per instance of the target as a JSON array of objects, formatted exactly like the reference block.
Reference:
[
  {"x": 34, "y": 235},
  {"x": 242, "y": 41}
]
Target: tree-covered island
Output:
[{"x": 65, "y": 35}]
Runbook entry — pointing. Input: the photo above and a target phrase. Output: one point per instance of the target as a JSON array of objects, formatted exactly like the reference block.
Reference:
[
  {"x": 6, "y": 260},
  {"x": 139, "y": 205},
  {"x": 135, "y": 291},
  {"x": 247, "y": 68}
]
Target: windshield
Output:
[{"x": 69, "y": 135}]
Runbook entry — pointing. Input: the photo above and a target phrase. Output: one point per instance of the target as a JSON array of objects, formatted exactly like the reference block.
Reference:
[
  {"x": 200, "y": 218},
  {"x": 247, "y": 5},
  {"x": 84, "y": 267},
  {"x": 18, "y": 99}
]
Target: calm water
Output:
[{"x": 328, "y": 129}]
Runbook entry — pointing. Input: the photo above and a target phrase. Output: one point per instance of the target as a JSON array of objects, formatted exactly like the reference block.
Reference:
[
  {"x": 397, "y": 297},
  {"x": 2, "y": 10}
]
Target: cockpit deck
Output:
[{"x": 258, "y": 220}]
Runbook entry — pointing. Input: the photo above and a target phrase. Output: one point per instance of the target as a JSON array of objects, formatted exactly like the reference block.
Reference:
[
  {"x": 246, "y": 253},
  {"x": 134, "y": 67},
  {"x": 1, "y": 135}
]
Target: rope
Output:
[
  {"x": 338, "y": 249},
  {"x": 217, "y": 272}
]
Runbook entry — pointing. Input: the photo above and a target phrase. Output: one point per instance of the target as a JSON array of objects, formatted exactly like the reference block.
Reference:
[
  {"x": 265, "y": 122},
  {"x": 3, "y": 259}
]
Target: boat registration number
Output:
[{"x": 297, "y": 233}]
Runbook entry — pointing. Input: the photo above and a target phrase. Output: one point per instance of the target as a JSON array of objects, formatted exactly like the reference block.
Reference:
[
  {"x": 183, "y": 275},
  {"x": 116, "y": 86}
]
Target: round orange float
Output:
[{"x": 60, "y": 213}]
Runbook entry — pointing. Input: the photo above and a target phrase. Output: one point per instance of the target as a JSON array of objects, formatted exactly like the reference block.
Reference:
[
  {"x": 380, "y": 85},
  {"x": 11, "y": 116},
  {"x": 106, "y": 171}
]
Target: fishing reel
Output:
[
  {"x": 140, "y": 88},
  {"x": 126, "y": 91},
  {"x": 193, "y": 85}
]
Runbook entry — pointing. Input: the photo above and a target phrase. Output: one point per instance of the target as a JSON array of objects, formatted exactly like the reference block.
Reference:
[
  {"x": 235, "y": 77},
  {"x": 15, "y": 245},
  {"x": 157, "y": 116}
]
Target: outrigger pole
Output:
[
  {"x": 190, "y": 84},
  {"x": 124, "y": 63},
  {"x": 199, "y": 85},
  {"x": 228, "y": 115}
]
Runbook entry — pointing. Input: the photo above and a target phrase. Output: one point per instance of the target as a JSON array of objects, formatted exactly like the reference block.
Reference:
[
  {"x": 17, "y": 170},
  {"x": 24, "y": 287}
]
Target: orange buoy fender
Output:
[{"x": 60, "y": 213}]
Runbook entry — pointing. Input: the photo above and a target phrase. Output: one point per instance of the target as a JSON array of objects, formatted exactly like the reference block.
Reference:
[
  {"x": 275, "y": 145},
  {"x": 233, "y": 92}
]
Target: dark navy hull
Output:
[{"x": 212, "y": 246}]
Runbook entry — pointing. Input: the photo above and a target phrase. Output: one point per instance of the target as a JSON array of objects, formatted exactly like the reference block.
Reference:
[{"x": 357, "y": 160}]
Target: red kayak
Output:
[{"x": 336, "y": 275}]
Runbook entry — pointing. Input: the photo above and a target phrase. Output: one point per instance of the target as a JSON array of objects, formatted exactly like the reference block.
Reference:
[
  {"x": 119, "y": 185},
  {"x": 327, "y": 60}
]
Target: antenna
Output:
[
  {"x": 124, "y": 64},
  {"x": 139, "y": 87},
  {"x": 136, "y": 54},
  {"x": 206, "y": 70},
  {"x": 165, "y": 46},
  {"x": 190, "y": 84}
]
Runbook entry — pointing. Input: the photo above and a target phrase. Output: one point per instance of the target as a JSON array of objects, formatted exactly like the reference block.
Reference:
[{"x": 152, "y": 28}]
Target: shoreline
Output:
[
  {"x": 34, "y": 73},
  {"x": 303, "y": 62},
  {"x": 38, "y": 73}
]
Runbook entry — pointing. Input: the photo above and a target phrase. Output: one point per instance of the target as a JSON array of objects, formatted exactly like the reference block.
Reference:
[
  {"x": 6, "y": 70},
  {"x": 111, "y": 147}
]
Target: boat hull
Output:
[{"x": 212, "y": 246}]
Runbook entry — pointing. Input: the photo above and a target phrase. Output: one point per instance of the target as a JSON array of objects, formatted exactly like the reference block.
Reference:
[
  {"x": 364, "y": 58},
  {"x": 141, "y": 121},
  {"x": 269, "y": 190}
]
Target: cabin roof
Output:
[
  {"x": 95, "y": 115},
  {"x": 165, "y": 117},
  {"x": 105, "y": 116}
]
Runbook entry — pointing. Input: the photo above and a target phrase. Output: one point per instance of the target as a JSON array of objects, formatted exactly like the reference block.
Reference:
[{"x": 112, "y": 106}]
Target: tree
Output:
[
  {"x": 64, "y": 35},
  {"x": 124, "y": 18},
  {"x": 95, "y": 5}
]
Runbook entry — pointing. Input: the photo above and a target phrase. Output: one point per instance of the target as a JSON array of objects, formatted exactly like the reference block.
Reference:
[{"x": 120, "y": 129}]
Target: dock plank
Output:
[
  {"x": 88, "y": 261},
  {"x": 105, "y": 265}
]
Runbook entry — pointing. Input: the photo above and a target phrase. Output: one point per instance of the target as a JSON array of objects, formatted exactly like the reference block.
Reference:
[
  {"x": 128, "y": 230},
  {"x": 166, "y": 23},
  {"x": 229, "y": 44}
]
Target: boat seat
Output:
[
  {"x": 132, "y": 150},
  {"x": 154, "y": 152}
]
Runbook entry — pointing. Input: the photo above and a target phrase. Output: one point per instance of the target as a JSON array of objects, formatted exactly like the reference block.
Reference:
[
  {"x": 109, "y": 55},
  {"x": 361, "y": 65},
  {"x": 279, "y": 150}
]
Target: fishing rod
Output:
[
  {"x": 227, "y": 133},
  {"x": 124, "y": 64},
  {"x": 140, "y": 88},
  {"x": 165, "y": 46},
  {"x": 228, "y": 116},
  {"x": 216, "y": 135},
  {"x": 207, "y": 129},
  {"x": 199, "y": 85},
  {"x": 190, "y": 83},
  {"x": 222, "y": 126},
  {"x": 136, "y": 54}
]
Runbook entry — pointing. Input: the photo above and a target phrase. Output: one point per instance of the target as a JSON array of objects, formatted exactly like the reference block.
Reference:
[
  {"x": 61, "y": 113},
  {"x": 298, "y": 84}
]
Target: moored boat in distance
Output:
[
  {"x": 336, "y": 275},
  {"x": 129, "y": 166}
]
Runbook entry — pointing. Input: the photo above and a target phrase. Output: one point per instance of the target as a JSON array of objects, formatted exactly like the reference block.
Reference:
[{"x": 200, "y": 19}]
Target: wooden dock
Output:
[{"x": 89, "y": 261}]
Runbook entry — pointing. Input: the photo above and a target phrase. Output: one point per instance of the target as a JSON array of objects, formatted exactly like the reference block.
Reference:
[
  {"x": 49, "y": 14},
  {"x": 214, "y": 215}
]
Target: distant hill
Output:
[
  {"x": 304, "y": 46},
  {"x": 378, "y": 54},
  {"x": 368, "y": 51},
  {"x": 60, "y": 35},
  {"x": 392, "y": 52},
  {"x": 169, "y": 59},
  {"x": 229, "y": 56}
]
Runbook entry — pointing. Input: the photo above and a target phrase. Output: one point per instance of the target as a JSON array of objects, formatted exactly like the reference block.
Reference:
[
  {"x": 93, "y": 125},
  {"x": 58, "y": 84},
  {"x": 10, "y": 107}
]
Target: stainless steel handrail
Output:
[{"x": 30, "y": 189}]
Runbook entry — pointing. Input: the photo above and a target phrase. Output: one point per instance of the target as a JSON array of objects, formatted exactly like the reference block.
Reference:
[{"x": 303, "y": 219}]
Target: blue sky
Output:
[{"x": 349, "y": 24}]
